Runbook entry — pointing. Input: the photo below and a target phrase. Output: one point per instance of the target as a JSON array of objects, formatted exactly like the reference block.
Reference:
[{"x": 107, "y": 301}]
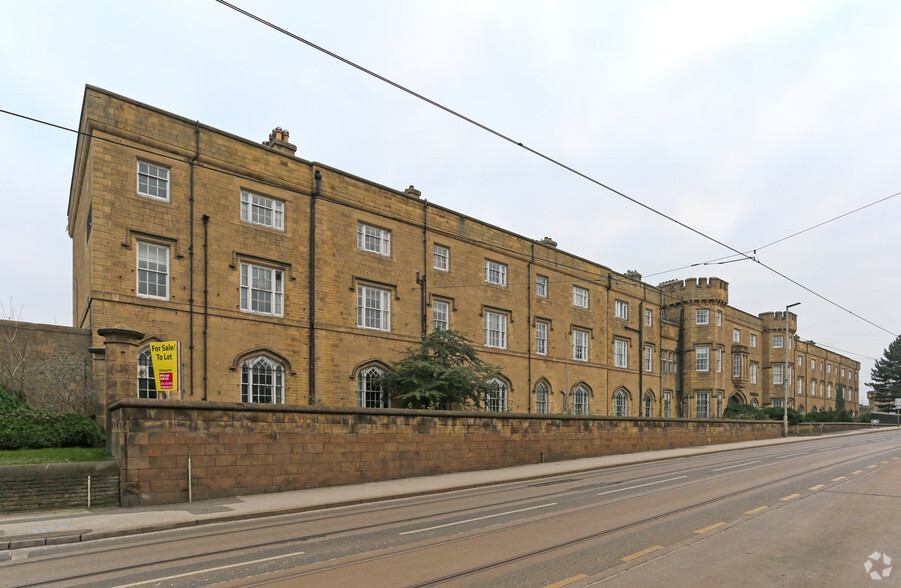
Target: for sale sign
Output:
[{"x": 166, "y": 363}]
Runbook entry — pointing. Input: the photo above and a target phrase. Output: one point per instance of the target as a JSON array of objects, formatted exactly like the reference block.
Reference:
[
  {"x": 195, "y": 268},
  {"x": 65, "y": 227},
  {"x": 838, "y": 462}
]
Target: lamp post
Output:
[{"x": 785, "y": 375}]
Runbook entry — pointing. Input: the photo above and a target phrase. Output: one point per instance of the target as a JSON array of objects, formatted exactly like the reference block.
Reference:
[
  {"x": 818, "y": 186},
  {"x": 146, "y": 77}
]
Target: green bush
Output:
[
  {"x": 743, "y": 412},
  {"x": 775, "y": 413},
  {"x": 864, "y": 418},
  {"x": 26, "y": 428},
  {"x": 10, "y": 402}
]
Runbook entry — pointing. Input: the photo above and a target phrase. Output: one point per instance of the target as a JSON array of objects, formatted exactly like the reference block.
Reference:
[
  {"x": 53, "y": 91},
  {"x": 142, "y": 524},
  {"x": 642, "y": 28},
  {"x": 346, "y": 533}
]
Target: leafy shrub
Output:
[
  {"x": 25, "y": 428},
  {"x": 775, "y": 413},
  {"x": 10, "y": 402},
  {"x": 743, "y": 412}
]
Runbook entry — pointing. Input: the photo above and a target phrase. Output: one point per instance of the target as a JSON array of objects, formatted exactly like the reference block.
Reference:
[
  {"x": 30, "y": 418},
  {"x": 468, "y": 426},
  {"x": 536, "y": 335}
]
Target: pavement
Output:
[{"x": 33, "y": 529}]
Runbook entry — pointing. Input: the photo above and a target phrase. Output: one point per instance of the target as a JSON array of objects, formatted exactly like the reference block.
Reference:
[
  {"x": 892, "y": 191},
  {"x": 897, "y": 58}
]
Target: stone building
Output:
[{"x": 289, "y": 281}]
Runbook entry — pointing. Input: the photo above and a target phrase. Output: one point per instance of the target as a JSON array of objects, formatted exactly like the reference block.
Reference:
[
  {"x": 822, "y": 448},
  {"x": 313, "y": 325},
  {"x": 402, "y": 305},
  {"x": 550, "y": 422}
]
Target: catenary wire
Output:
[
  {"x": 720, "y": 260},
  {"x": 595, "y": 278},
  {"x": 539, "y": 154}
]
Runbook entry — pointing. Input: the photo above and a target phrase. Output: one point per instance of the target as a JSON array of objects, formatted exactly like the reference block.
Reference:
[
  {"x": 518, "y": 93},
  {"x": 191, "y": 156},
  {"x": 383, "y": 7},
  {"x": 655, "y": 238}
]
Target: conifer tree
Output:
[
  {"x": 444, "y": 371},
  {"x": 886, "y": 377}
]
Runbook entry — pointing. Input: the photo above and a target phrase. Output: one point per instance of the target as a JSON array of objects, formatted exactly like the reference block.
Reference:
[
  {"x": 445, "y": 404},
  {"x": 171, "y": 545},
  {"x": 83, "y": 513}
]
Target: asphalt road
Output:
[{"x": 802, "y": 514}]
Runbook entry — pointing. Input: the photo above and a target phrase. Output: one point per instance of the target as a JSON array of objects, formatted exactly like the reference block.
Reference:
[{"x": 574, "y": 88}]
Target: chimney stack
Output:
[
  {"x": 278, "y": 140},
  {"x": 411, "y": 191}
]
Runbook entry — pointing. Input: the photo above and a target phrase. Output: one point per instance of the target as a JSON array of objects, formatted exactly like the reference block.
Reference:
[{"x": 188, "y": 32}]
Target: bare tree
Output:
[
  {"x": 14, "y": 364},
  {"x": 67, "y": 383}
]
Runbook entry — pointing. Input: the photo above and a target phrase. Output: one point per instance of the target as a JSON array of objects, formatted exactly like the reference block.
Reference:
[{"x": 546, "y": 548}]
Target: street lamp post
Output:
[{"x": 785, "y": 375}]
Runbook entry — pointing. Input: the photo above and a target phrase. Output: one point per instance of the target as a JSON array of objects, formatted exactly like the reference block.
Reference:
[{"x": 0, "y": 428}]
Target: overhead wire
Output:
[
  {"x": 537, "y": 153},
  {"x": 594, "y": 278},
  {"x": 720, "y": 260}
]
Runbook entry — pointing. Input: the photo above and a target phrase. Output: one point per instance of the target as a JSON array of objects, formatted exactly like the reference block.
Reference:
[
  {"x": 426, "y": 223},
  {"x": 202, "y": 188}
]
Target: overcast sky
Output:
[{"x": 747, "y": 121}]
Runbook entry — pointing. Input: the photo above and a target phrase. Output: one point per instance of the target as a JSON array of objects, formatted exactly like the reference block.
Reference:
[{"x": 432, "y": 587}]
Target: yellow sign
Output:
[{"x": 166, "y": 363}]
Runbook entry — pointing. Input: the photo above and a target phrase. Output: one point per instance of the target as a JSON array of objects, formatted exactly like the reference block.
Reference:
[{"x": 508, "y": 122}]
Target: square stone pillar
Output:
[{"x": 121, "y": 361}]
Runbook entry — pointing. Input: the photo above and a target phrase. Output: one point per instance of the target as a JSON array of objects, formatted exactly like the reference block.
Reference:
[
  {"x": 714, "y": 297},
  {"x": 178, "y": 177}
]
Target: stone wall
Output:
[
  {"x": 34, "y": 351},
  {"x": 240, "y": 449},
  {"x": 61, "y": 485}
]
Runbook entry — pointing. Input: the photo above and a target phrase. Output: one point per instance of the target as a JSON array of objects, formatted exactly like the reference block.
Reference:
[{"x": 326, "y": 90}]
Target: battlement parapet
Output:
[{"x": 697, "y": 289}]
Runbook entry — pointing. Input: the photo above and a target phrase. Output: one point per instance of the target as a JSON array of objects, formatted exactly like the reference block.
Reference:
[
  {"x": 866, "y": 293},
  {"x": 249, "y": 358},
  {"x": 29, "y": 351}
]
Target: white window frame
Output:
[
  {"x": 621, "y": 309},
  {"x": 580, "y": 345},
  {"x": 370, "y": 394},
  {"x": 736, "y": 365},
  {"x": 648, "y": 318},
  {"x": 275, "y": 291},
  {"x": 778, "y": 374},
  {"x": 580, "y": 400},
  {"x": 495, "y": 330},
  {"x": 155, "y": 177},
  {"x": 753, "y": 375},
  {"x": 778, "y": 341},
  {"x": 440, "y": 315},
  {"x": 813, "y": 364},
  {"x": 649, "y": 358},
  {"x": 702, "y": 316},
  {"x": 753, "y": 340},
  {"x": 620, "y": 353},
  {"x": 151, "y": 262},
  {"x": 262, "y": 381},
  {"x": 496, "y": 401},
  {"x": 373, "y": 239},
  {"x": 719, "y": 318},
  {"x": 620, "y": 404},
  {"x": 541, "y": 329},
  {"x": 719, "y": 360},
  {"x": 702, "y": 402},
  {"x": 495, "y": 272},
  {"x": 580, "y": 297},
  {"x": 813, "y": 387},
  {"x": 440, "y": 257},
  {"x": 800, "y": 386},
  {"x": 736, "y": 336},
  {"x": 667, "y": 408},
  {"x": 373, "y": 308},
  {"x": 541, "y": 398},
  {"x": 255, "y": 207},
  {"x": 146, "y": 376},
  {"x": 541, "y": 286},
  {"x": 702, "y": 358}
]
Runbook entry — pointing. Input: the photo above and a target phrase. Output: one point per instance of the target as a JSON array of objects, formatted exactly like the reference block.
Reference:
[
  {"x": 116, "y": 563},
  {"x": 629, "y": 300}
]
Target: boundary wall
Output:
[
  {"x": 59, "y": 485},
  {"x": 227, "y": 449}
]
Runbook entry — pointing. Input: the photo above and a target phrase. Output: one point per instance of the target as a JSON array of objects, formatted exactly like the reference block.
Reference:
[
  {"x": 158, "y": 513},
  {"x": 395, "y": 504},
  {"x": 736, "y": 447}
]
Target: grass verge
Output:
[{"x": 53, "y": 455}]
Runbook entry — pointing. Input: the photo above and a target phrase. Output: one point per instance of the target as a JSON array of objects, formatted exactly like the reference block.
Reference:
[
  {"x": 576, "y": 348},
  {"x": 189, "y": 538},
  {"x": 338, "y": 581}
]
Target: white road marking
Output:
[
  {"x": 737, "y": 466},
  {"x": 641, "y": 485},
  {"x": 791, "y": 455},
  {"x": 500, "y": 514},
  {"x": 206, "y": 570}
]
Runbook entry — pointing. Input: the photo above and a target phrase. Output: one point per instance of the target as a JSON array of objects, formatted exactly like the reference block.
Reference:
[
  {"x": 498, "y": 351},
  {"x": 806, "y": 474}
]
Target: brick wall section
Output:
[
  {"x": 240, "y": 449},
  {"x": 64, "y": 485}
]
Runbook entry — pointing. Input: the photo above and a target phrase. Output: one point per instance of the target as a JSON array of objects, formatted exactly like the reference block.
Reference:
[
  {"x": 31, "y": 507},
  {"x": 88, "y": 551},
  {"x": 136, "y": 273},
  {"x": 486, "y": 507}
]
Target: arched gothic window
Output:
[
  {"x": 262, "y": 380},
  {"x": 648, "y": 405},
  {"x": 620, "y": 404},
  {"x": 370, "y": 389},
  {"x": 146, "y": 379},
  {"x": 580, "y": 400},
  {"x": 497, "y": 396},
  {"x": 541, "y": 398}
]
